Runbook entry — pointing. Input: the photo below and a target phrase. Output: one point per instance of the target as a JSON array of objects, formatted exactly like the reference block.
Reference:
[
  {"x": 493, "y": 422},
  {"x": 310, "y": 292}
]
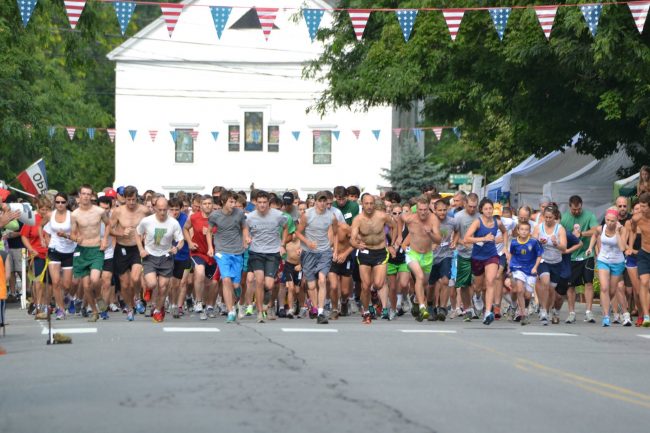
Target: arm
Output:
[
  {"x": 505, "y": 240},
  {"x": 208, "y": 239},
  {"x": 28, "y": 246},
  {"x": 621, "y": 237},
  {"x": 354, "y": 235},
  {"x": 454, "y": 239},
  {"x": 631, "y": 238},
  {"x": 8, "y": 216},
  {"x": 246, "y": 235},
  {"x": 560, "y": 242},
  {"x": 592, "y": 242},
  {"x": 104, "y": 242},
  {"x": 469, "y": 236},
  {"x": 592, "y": 227},
  {"x": 300, "y": 233},
  {"x": 187, "y": 235},
  {"x": 113, "y": 223},
  {"x": 335, "y": 236},
  {"x": 138, "y": 242}
]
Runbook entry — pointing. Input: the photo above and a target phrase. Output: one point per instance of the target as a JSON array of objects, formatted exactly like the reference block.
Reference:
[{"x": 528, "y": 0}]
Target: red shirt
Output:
[
  {"x": 31, "y": 233},
  {"x": 199, "y": 223}
]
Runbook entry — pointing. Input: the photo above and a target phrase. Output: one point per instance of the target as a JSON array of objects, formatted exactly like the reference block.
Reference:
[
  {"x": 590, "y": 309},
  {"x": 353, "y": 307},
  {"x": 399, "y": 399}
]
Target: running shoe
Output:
[
  {"x": 392, "y": 315},
  {"x": 303, "y": 313},
  {"x": 433, "y": 315},
  {"x": 147, "y": 295},
  {"x": 282, "y": 313},
  {"x": 517, "y": 318},
  {"x": 93, "y": 317},
  {"x": 497, "y": 312},
  {"x": 424, "y": 314},
  {"x": 104, "y": 315},
  {"x": 157, "y": 316},
  {"x": 174, "y": 311},
  {"x": 71, "y": 307},
  {"x": 322, "y": 319},
  {"x": 60, "y": 314},
  {"x": 442, "y": 314},
  {"x": 646, "y": 321},
  {"x": 474, "y": 314},
  {"x": 367, "y": 320},
  {"x": 489, "y": 318},
  {"x": 616, "y": 318},
  {"x": 140, "y": 307},
  {"x": 114, "y": 308},
  {"x": 211, "y": 313},
  {"x": 85, "y": 312},
  {"x": 260, "y": 317},
  {"x": 129, "y": 316},
  {"x": 639, "y": 321},
  {"x": 203, "y": 315},
  {"x": 415, "y": 310},
  {"x": 385, "y": 314},
  {"x": 606, "y": 322},
  {"x": 313, "y": 312},
  {"x": 524, "y": 321},
  {"x": 401, "y": 310},
  {"x": 78, "y": 306},
  {"x": 249, "y": 310},
  {"x": 589, "y": 317},
  {"x": 543, "y": 317},
  {"x": 335, "y": 315},
  {"x": 289, "y": 314},
  {"x": 232, "y": 317},
  {"x": 555, "y": 318},
  {"x": 198, "y": 307},
  {"x": 469, "y": 315},
  {"x": 345, "y": 311},
  {"x": 478, "y": 302},
  {"x": 627, "y": 320},
  {"x": 571, "y": 318}
]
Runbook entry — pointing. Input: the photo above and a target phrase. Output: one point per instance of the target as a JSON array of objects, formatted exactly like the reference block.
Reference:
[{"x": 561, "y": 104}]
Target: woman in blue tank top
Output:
[{"x": 485, "y": 259}]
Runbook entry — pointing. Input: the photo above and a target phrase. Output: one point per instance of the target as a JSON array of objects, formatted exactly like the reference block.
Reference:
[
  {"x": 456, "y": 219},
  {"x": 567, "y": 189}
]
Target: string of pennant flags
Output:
[
  {"x": 153, "y": 133},
  {"x": 171, "y": 13}
]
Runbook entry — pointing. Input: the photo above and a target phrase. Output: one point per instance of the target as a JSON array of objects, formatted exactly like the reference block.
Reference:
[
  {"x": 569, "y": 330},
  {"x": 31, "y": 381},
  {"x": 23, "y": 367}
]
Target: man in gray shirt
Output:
[
  {"x": 464, "y": 219},
  {"x": 230, "y": 241},
  {"x": 268, "y": 231}
]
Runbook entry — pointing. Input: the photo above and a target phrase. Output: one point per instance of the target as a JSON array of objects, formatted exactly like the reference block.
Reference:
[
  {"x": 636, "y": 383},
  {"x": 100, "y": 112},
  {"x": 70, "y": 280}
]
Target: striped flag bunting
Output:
[
  {"x": 124, "y": 11},
  {"x": 359, "y": 19},
  {"x": 406, "y": 18},
  {"x": 220, "y": 17},
  {"x": 453, "y": 18},
  {"x": 546, "y": 17},
  {"x": 267, "y": 18},
  {"x": 174, "y": 135},
  {"x": 296, "y": 134},
  {"x": 376, "y": 132},
  {"x": 152, "y": 134},
  {"x": 194, "y": 134},
  {"x": 592, "y": 16},
  {"x": 26, "y": 9},
  {"x": 215, "y": 135},
  {"x": 91, "y": 133},
  {"x": 500, "y": 20},
  {"x": 71, "y": 130},
  {"x": 111, "y": 134},
  {"x": 639, "y": 13},
  {"x": 74, "y": 8},
  {"x": 316, "y": 133},
  {"x": 397, "y": 132},
  {"x": 336, "y": 134},
  {"x": 171, "y": 12},
  {"x": 356, "y": 133},
  {"x": 132, "y": 133},
  {"x": 437, "y": 130},
  {"x": 312, "y": 19}
]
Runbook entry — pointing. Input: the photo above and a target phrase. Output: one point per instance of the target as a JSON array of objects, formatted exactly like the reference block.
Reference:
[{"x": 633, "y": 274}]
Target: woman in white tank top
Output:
[{"x": 610, "y": 241}]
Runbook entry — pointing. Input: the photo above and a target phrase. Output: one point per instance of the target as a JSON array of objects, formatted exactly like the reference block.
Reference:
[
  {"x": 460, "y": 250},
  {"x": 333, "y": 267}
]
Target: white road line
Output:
[
  {"x": 71, "y": 331},
  {"x": 550, "y": 334},
  {"x": 644, "y": 336},
  {"x": 427, "y": 331},
  {"x": 186, "y": 329},
  {"x": 321, "y": 330}
]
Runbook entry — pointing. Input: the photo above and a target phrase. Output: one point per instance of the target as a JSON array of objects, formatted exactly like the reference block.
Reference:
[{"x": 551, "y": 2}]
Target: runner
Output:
[
  {"x": 182, "y": 263},
  {"x": 397, "y": 271},
  {"x": 443, "y": 255},
  {"x": 525, "y": 257},
  {"x": 633, "y": 246},
  {"x": 465, "y": 218},
  {"x": 108, "y": 296},
  {"x": 37, "y": 251},
  {"x": 340, "y": 273},
  {"x": 641, "y": 220}
]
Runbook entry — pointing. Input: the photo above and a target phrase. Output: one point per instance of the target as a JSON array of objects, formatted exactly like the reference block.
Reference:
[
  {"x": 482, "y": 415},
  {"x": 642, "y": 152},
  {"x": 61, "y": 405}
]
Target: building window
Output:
[
  {"x": 233, "y": 138},
  {"x": 184, "y": 146},
  {"x": 274, "y": 138},
  {"x": 253, "y": 135},
  {"x": 322, "y": 147}
]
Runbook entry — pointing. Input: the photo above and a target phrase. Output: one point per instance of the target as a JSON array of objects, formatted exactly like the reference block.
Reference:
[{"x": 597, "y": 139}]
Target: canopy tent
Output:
[
  {"x": 494, "y": 190},
  {"x": 593, "y": 183},
  {"x": 626, "y": 187}
]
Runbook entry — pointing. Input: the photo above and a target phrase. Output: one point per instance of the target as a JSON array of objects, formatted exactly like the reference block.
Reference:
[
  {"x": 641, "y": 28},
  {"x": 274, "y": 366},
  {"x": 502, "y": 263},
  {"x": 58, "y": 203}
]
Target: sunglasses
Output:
[
  {"x": 397, "y": 213},
  {"x": 60, "y": 202}
]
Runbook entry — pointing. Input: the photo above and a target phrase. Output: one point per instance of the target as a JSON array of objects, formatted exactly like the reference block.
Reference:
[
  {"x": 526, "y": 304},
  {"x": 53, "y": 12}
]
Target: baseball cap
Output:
[
  {"x": 498, "y": 209},
  {"x": 544, "y": 200},
  {"x": 321, "y": 195},
  {"x": 111, "y": 193},
  {"x": 120, "y": 190},
  {"x": 287, "y": 197}
]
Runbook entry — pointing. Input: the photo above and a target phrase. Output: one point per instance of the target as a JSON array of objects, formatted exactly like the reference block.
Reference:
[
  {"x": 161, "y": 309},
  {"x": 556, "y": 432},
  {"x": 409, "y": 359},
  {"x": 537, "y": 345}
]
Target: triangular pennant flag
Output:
[
  {"x": 453, "y": 17},
  {"x": 359, "y": 19},
  {"x": 406, "y": 18},
  {"x": 74, "y": 8},
  {"x": 71, "y": 130},
  {"x": 111, "y": 134},
  {"x": 456, "y": 131},
  {"x": 194, "y": 134},
  {"x": 132, "y": 132},
  {"x": 171, "y": 12},
  {"x": 336, "y": 134},
  {"x": 174, "y": 135},
  {"x": 51, "y": 130},
  {"x": 91, "y": 133},
  {"x": 639, "y": 13},
  {"x": 418, "y": 133},
  {"x": 316, "y": 133},
  {"x": 220, "y": 17},
  {"x": 500, "y": 20},
  {"x": 124, "y": 11},
  {"x": 152, "y": 134},
  {"x": 356, "y": 133},
  {"x": 215, "y": 135},
  {"x": 592, "y": 16},
  {"x": 397, "y": 132},
  {"x": 26, "y": 9},
  {"x": 437, "y": 130},
  {"x": 376, "y": 132},
  {"x": 296, "y": 134},
  {"x": 267, "y": 18},
  {"x": 312, "y": 19},
  {"x": 546, "y": 17}
]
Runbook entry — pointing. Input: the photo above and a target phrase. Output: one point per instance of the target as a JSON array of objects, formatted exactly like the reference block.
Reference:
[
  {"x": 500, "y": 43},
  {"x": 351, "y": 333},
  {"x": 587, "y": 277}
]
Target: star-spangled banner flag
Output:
[
  {"x": 336, "y": 134},
  {"x": 132, "y": 132},
  {"x": 51, "y": 130},
  {"x": 500, "y": 20},
  {"x": 91, "y": 133},
  {"x": 74, "y": 8},
  {"x": 194, "y": 134},
  {"x": 71, "y": 130},
  {"x": 220, "y": 16},
  {"x": 359, "y": 18},
  {"x": 592, "y": 16},
  {"x": 26, "y": 9},
  {"x": 171, "y": 12},
  {"x": 312, "y": 19},
  {"x": 546, "y": 17},
  {"x": 376, "y": 132},
  {"x": 437, "y": 130},
  {"x": 124, "y": 11},
  {"x": 152, "y": 134},
  {"x": 174, "y": 135},
  {"x": 356, "y": 133},
  {"x": 397, "y": 132},
  {"x": 453, "y": 18},
  {"x": 406, "y": 18},
  {"x": 111, "y": 134},
  {"x": 215, "y": 135},
  {"x": 267, "y": 18},
  {"x": 639, "y": 13},
  {"x": 296, "y": 134},
  {"x": 34, "y": 178}
]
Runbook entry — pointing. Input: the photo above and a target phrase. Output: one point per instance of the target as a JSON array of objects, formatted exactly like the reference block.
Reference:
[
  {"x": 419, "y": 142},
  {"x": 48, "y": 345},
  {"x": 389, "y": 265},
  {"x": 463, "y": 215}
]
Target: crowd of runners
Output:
[{"x": 121, "y": 254}]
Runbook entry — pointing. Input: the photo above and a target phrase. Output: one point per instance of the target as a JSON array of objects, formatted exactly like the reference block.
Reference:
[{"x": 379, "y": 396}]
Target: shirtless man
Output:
[
  {"x": 424, "y": 231},
  {"x": 88, "y": 258},
  {"x": 128, "y": 264},
  {"x": 340, "y": 275},
  {"x": 369, "y": 237},
  {"x": 642, "y": 221}
]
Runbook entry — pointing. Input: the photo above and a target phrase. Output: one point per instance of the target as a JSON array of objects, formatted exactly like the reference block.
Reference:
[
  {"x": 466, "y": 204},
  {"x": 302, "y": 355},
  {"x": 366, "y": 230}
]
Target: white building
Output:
[{"x": 250, "y": 92}]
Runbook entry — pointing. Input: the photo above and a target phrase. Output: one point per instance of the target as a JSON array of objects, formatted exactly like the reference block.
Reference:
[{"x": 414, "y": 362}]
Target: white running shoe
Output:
[{"x": 571, "y": 318}]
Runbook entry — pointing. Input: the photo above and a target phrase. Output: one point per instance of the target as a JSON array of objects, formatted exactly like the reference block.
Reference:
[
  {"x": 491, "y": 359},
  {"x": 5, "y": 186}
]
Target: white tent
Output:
[
  {"x": 494, "y": 190},
  {"x": 593, "y": 183}
]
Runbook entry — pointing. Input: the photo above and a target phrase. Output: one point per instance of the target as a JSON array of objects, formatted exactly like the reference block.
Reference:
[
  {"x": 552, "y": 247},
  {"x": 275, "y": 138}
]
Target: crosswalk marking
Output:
[
  {"x": 427, "y": 331},
  {"x": 188, "y": 329},
  {"x": 71, "y": 331}
]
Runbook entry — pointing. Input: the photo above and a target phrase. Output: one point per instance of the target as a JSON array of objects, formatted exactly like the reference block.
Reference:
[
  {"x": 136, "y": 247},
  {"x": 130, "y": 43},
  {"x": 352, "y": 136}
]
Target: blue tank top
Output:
[
  {"x": 485, "y": 250},
  {"x": 184, "y": 253}
]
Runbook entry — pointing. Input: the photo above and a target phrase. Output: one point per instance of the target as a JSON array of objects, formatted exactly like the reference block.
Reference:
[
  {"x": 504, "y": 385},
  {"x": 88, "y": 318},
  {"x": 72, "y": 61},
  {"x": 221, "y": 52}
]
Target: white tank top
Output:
[
  {"x": 551, "y": 254},
  {"x": 60, "y": 244},
  {"x": 609, "y": 251}
]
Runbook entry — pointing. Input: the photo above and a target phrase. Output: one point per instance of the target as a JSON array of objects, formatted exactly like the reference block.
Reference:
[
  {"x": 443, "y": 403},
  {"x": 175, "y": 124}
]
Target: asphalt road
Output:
[{"x": 283, "y": 376}]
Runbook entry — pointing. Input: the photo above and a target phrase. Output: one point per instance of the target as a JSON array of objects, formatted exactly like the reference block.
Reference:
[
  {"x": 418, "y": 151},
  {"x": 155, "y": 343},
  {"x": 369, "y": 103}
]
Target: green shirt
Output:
[
  {"x": 349, "y": 210},
  {"x": 586, "y": 220}
]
